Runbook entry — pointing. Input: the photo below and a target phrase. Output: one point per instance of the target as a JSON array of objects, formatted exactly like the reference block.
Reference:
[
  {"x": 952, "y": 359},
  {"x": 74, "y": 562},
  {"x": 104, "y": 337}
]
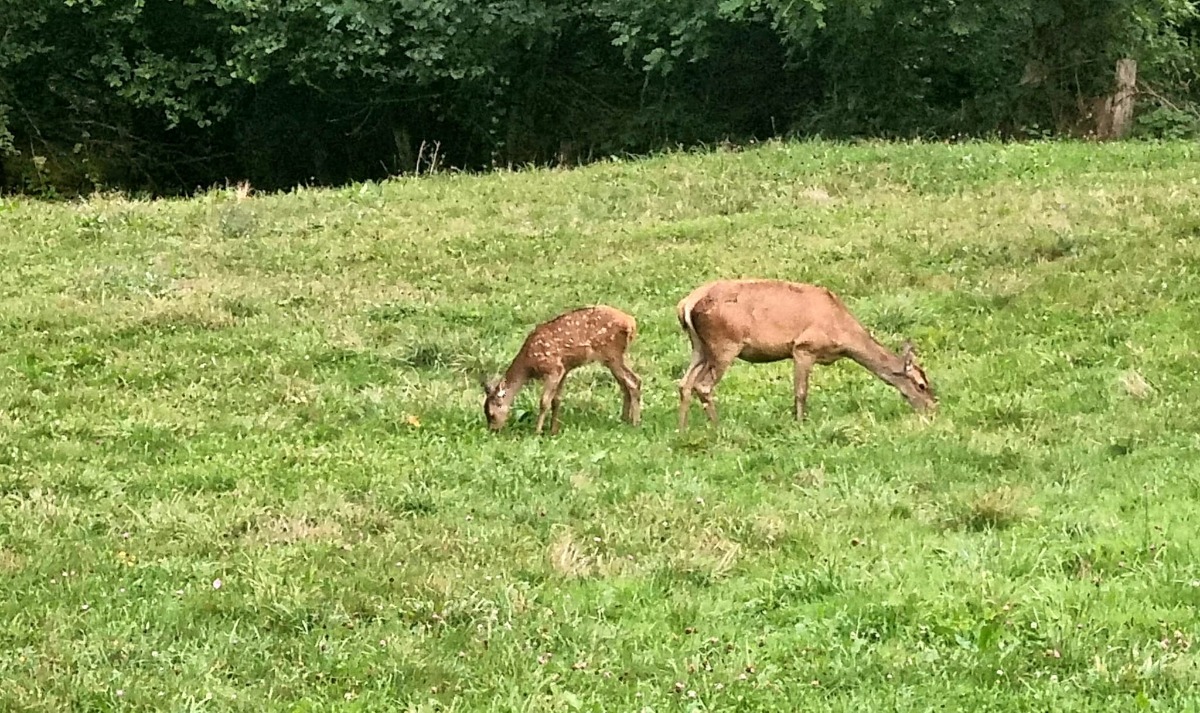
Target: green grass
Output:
[{"x": 280, "y": 393}]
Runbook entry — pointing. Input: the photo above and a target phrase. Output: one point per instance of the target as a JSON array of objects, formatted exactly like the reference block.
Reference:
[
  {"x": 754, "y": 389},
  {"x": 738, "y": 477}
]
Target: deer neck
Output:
[
  {"x": 880, "y": 361},
  {"x": 513, "y": 381}
]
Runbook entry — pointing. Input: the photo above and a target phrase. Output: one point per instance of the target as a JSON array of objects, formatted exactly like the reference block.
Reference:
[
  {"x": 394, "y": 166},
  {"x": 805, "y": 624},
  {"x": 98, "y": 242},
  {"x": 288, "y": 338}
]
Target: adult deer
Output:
[
  {"x": 590, "y": 334},
  {"x": 762, "y": 321}
]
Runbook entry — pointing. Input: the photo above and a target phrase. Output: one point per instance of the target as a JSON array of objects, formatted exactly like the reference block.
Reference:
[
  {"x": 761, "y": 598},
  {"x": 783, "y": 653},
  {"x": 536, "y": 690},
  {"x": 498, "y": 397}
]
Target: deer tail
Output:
[{"x": 684, "y": 311}]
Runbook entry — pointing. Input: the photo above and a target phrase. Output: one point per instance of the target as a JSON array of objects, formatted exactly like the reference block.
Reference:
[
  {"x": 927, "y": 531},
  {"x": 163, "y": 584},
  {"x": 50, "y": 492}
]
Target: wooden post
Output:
[
  {"x": 1122, "y": 101},
  {"x": 1116, "y": 115}
]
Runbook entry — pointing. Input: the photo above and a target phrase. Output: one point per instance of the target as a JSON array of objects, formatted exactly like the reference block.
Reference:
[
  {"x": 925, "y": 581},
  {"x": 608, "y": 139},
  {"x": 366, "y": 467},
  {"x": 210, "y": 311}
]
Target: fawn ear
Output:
[
  {"x": 483, "y": 382},
  {"x": 908, "y": 354}
]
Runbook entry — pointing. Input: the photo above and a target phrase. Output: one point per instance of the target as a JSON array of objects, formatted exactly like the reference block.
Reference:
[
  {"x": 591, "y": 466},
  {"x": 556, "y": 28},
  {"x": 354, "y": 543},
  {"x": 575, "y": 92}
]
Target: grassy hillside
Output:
[{"x": 244, "y": 466}]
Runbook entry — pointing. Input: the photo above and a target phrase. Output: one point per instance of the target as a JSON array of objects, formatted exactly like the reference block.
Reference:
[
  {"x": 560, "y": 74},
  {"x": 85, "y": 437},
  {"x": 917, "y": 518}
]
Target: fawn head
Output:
[
  {"x": 495, "y": 403},
  {"x": 913, "y": 384}
]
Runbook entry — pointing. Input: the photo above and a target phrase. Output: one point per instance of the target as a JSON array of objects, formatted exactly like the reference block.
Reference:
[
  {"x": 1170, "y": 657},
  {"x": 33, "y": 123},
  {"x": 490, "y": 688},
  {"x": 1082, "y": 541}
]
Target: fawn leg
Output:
[
  {"x": 555, "y": 424},
  {"x": 631, "y": 391},
  {"x": 549, "y": 394}
]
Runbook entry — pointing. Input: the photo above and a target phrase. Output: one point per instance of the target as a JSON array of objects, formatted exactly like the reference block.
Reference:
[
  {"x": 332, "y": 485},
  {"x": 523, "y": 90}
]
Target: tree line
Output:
[{"x": 173, "y": 95}]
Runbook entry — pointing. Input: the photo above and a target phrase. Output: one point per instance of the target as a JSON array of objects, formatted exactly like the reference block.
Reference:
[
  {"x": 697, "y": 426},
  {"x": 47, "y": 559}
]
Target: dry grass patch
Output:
[
  {"x": 770, "y": 528},
  {"x": 198, "y": 310},
  {"x": 818, "y": 195},
  {"x": 995, "y": 509},
  {"x": 297, "y": 391},
  {"x": 580, "y": 481},
  {"x": 287, "y": 530},
  {"x": 568, "y": 558},
  {"x": 10, "y": 561},
  {"x": 1136, "y": 385},
  {"x": 709, "y": 556},
  {"x": 571, "y": 557},
  {"x": 343, "y": 335},
  {"x": 40, "y": 506},
  {"x": 810, "y": 478},
  {"x": 337, "y": 521}
]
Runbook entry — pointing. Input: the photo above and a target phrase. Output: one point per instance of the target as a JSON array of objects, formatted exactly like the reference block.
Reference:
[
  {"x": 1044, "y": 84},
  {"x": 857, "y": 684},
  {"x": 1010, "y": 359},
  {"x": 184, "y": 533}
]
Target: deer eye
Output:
[{"x": 922, "y": 386}]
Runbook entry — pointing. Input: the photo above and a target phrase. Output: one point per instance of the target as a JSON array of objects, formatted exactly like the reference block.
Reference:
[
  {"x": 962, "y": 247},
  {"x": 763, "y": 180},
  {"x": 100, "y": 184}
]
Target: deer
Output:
[
  {"x": 761, "y": 321},
  {"x": 595, "y": 334}
]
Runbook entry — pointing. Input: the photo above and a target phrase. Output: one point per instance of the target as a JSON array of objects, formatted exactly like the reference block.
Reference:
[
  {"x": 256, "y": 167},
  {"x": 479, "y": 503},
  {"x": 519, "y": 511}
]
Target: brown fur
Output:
[
  {"x": 598, "y": 334},
  {"x": 762, "y": 321}
]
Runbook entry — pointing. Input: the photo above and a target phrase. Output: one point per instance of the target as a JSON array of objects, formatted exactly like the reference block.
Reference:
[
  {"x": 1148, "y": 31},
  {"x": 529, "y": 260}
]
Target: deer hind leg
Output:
[
  {"x": 803, "y": 363},
  {"x": 551, "y": 391},
  {"x": 717, "y": 365},
  {"x": 631, "y": 390},
  {"x": 688, "y": 383}
]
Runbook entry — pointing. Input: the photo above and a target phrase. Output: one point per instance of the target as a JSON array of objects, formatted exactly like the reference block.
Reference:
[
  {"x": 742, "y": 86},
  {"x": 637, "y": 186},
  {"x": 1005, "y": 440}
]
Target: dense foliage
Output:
[{"x": 171, "y": 95}]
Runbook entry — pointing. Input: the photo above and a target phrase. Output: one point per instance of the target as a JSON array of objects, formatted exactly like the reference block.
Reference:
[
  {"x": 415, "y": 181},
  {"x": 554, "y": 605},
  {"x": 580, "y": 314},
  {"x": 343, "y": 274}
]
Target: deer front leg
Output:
[
  {"x": 803, "y": 362},
  {"x": 548, "y": 401}
]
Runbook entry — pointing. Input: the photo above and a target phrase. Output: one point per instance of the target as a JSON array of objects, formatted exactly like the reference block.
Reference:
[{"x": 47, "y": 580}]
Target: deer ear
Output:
[
  {"x": 908, "y": 353},
  {"x": 483, "y": 382}
]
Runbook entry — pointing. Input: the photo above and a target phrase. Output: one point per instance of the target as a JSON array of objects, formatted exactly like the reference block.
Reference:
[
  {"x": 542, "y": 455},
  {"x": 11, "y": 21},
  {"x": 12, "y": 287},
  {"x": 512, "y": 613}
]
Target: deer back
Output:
[
  {"x": 770, "y": 313},
  {"x": 596, "y": 333}
]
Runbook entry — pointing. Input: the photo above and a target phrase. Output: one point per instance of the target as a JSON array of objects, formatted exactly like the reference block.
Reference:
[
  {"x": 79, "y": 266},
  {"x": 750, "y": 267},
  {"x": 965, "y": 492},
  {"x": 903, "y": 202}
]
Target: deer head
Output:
[
  {"x": 913, "y": 383},
  {"x": 496, "y": 403}
]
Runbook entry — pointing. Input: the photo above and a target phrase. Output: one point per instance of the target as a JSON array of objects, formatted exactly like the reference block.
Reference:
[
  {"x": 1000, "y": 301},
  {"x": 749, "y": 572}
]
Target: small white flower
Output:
[
  {"x": 120, "y": 692},
  {"x": 217, "y": 583},
  {"x": 1033, "y": 625},
  {"x": 85, "y": 607}
]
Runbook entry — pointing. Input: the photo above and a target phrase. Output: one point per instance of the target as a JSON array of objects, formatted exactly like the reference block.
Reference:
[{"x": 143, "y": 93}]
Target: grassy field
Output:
[{"x": 243, "y": 462}]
